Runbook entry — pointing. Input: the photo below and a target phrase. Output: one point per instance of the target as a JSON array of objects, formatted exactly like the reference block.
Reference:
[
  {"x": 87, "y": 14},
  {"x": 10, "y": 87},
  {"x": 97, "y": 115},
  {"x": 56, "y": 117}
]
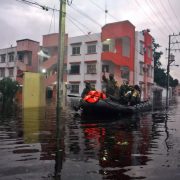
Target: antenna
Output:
[{"x": 106, "y": 11}]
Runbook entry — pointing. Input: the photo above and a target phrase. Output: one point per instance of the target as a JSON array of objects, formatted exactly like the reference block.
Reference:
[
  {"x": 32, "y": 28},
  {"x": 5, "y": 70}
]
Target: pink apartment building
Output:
[{"x": 117, "y": 49}]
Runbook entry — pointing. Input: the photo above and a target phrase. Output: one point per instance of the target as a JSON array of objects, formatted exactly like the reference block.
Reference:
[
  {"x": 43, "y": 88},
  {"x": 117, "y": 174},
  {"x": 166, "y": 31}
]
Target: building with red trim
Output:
[{"x": 118, "y": 49}]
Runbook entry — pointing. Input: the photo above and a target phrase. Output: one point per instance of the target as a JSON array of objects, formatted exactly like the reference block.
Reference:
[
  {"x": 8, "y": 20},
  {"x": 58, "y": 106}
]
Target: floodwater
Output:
[{"x": 144, "y": 146}]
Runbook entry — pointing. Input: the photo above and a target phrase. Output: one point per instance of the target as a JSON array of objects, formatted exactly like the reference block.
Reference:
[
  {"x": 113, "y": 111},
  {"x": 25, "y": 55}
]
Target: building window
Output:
[
  {"x": 126, "y": 47},
  {"x": 2, "y": 72},
  {"x": 91, "y": 48},
  {"x": 11, "y": 57},
  {"x": 149, "y": 70},
  {"x": 91, "y": 68},
  {"x": 105, "y": 47},
  {"x": 74, "y": 88},
  {"x": 29, "y": 58},
  {"x": 124, "y": 72},
  {"x": 141, "y": 51},
  {"x": 3, "y": 58},
  {"x": 149, "y": 52},
  {"x": 141, "y": 68},
  {"x": 105, "y": 68},
  {"x": 76, "y": 49},
  {"x": 75, "y": 69},
  {"x": 11, "y": 72},
  {"x": 21, "y": 57}
]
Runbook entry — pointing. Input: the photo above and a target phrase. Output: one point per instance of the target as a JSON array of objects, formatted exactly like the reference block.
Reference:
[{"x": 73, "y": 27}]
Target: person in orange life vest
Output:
[
  {"x": 111, "y": 84},
  {"x": 87, "y": 89},
  {"x": 94, "y": 96}
]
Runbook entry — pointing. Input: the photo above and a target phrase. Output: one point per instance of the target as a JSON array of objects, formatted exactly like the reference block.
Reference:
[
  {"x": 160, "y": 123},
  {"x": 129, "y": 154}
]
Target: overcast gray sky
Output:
[{"x": 19, "y": 20}]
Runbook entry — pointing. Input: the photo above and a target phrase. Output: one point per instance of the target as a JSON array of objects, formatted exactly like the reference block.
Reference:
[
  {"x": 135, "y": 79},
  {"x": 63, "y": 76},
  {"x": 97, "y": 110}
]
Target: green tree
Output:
[
  {"x": 8, "y": 89},
  {"x": 160, "y": 75}
]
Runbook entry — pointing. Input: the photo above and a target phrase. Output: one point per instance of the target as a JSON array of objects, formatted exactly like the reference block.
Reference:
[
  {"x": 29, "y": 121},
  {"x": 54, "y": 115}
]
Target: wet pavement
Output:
[{"x": 143, "y": 146}]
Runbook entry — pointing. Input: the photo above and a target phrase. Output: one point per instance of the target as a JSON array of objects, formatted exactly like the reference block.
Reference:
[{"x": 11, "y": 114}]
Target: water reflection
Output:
[
  {"x": 35, "y": 146},
  {"x": 121, "y": 143}
]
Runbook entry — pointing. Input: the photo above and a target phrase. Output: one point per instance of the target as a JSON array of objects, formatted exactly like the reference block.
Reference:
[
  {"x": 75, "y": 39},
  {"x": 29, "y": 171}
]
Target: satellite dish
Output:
[{"x": 43, "y": 54}]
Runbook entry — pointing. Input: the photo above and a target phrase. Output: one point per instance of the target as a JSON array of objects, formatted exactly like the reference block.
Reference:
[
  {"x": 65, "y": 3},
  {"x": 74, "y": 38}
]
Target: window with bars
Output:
[
  {"x": 75, "y": 69},
  {"x": 105, "y": 68},
  {"x": 11, "y": 72},
  {"x": 91, "y": 68},
  {"x": 105, "y": 47},
  {"x": 124, "y": 72},
  {"x": 74, "y": 88},
  {"x": 76, "y": 50},
  {"x": 11, "y": 57},
  {"x": 3, "y": 58},
  {"x": 91, "y": 48},
  {"x": 2, "y": 72}
]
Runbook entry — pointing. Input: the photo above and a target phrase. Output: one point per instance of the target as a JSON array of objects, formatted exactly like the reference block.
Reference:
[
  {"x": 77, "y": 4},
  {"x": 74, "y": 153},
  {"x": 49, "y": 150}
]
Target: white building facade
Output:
[
  {"x": 8, "y": 63},
  {"x": 118, "y": 49},
  {"x": 84, "y": 62}
]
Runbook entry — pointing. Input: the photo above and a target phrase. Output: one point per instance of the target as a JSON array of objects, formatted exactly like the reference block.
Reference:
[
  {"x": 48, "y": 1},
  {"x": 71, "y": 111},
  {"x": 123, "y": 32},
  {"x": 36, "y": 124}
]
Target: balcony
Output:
[
  {"x": 49, "y": 62},
  {"x": 115, "y": 58},
  {"x": 22, "y": 66}
]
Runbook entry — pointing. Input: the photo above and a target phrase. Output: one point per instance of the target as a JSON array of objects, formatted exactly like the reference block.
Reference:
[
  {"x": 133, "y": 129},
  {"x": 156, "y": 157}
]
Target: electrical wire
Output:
[
  {"x": 167, "y": 12},
  {"x": 85, "y": 15},
  {"x": 165, "y": 20},
  {"x": 155, "y": 13},
  {"x": 70, "y": 18},
  {"x": 150, "y": 18},
  {"x": 174, "y": 12},
  {"x": 95, "y": 4},
  {"x": 53, "y": 16}
]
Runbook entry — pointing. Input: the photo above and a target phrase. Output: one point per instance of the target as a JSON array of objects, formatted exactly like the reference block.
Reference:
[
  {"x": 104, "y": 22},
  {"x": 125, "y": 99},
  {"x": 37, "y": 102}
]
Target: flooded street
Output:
[{"x": 143, "y": 146}]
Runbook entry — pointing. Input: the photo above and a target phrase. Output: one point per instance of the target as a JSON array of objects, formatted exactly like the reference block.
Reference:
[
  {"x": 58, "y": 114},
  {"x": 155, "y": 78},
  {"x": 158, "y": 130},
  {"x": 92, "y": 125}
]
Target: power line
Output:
[
  {"x": 106, "y": 11},
  {"x": 85, "y": 15},
  {"x": 69, "y": 18},
  {"x": 165, "y": 20},
  {"x": 174, "y": 12},
  {"x": 154, "y": 12},
  {"x": 167, "y": 12},
  {"x": 149, "y": 18},
  {"x": 53, "y": 16}
]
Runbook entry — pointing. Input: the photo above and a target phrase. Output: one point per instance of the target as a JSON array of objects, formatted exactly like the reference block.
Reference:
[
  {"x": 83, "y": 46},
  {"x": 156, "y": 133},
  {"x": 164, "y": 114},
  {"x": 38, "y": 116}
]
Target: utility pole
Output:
[
  {"x": 60, "y": 83},
  {"x": 170, "y": 60},
  {"x": 60, "y": 63}
]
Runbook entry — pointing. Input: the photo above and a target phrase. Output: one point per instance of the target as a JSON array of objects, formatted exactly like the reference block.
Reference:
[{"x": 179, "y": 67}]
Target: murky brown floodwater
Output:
[{"x": 138, "y": 147}]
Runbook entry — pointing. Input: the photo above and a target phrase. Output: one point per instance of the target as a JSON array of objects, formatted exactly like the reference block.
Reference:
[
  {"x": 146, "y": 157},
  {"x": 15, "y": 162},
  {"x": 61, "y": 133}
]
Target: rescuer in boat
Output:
[
  {"x": 87, "y": 89},
  {"x": 124, "y": 92},
  {"x": 111, "y": 85},
  {"x": 129, "y": 95},
  {"x": 132, "y": 97},
  {"x": 136, "y": 95}
]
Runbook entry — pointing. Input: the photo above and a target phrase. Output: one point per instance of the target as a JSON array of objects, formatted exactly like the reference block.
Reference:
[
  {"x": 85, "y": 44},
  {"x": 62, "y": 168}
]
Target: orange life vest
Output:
[{"x": 94, "y": 96}]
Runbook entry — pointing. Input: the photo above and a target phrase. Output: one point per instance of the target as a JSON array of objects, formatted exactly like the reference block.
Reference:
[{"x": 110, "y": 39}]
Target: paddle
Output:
[{"x": 70, "y": 95}]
